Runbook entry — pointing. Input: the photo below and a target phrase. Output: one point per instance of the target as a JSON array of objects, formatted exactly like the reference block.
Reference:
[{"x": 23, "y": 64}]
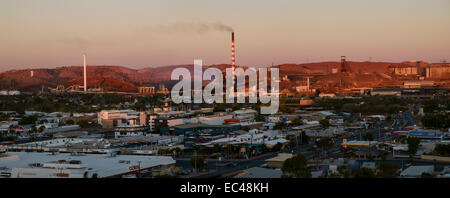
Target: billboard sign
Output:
[
  {"x": 424, "y": 134},
  {"x": 401, "y": 132}
]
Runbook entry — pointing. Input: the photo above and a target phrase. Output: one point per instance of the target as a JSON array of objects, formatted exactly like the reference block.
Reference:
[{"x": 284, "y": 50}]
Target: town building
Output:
[
  {"x": 417, "y": 171},
  {"x": 147, "y": 91},
  {"x": 403, "y": 70},
  {"x": 437, "y": 71},
  {"x": 45, "y": 165},
  {"x": 277, "y": 162},
  {"x": 258, "y": 172}
]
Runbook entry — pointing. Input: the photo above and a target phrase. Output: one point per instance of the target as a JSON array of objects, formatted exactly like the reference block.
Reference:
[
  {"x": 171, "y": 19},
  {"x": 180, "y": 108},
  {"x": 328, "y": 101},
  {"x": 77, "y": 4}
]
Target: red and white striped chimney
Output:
[
  {"x": 233, "y": 59},
  {"x": 84, "y": 72}
]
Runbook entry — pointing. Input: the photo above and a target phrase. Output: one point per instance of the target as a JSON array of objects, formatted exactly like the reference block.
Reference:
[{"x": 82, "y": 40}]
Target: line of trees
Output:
[
  {"x": 436, "y": 121},
  {"x": 296, "y": 167},
  {"x": 413, "y": 146}
]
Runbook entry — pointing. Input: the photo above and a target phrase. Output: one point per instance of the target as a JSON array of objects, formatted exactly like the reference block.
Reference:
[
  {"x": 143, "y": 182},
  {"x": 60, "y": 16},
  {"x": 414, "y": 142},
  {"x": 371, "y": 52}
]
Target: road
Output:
[
  {"x": 214, "y": 165},
  {"x": 402, "y": 120}
]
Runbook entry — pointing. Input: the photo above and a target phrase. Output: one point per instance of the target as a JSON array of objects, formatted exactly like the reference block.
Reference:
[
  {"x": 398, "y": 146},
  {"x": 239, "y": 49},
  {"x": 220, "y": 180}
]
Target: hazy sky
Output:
[{"x": 145, "y": 33}]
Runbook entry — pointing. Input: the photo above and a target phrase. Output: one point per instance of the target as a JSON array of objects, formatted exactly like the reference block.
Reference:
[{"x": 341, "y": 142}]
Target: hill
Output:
[{"x": 119, "y": 78}]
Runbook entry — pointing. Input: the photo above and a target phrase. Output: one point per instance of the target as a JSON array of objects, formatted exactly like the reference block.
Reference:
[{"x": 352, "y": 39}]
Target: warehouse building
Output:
[
  {"x": 417, "y": 171},
  {"x": 54, "y": 165}
]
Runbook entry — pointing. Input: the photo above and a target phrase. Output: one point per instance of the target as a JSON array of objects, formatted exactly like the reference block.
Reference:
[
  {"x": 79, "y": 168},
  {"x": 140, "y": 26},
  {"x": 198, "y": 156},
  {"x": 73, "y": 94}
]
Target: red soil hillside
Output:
[
  {"x": 325, "y": 67},
  {"x": 117, "y": 78}
]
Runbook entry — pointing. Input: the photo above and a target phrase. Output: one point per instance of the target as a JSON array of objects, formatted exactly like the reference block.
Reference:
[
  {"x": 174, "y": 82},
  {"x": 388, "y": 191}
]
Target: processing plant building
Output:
[{"x": 58, "y": 165}]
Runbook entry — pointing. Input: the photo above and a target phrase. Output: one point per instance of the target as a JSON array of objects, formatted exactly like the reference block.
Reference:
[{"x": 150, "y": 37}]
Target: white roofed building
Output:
[{"x": 47, "y": 165}]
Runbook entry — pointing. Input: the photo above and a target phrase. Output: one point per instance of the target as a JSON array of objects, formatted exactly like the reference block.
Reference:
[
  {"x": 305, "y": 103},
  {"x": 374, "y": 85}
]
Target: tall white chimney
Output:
[{"x": 84, "y": 72}]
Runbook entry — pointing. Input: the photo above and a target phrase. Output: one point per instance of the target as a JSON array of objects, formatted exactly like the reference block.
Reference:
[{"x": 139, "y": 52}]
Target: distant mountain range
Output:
[{"x": 119, "y": 78}]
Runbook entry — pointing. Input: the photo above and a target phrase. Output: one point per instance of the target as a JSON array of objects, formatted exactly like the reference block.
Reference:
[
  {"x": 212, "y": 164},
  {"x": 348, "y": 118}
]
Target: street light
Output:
[
  {"x": 360, "y": 138},
  {"x": 301, "y": 137},
  {"x": 195, "y": 161},
  {"x": 139, "y": 168},
  {"x": 379, "y": 132}
]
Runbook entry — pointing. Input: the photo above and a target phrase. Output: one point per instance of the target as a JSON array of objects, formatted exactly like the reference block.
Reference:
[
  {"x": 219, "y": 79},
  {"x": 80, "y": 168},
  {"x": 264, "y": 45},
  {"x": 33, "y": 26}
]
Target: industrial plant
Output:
[{"x": 313, "y": 89}]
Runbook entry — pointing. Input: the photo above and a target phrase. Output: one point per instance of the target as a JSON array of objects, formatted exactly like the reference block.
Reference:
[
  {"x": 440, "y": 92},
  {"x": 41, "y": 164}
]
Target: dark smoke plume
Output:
[{"x": 192, "y": 27}]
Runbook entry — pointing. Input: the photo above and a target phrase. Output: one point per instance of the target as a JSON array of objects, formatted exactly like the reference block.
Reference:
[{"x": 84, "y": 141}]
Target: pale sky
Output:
[{"x": 147, "y": 33}]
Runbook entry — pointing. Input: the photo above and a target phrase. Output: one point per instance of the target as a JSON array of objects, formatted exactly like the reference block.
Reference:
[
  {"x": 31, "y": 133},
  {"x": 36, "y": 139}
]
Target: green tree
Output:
[
  {"x": 163, "y": 152},
  {"x": 426, "y": 175},
  {"x": 33, "y": 130},
  {"x": 368, "y": 136},
  {"x": 325, "y": 123},
  {"x": 41, "y": 129},
  {"x": 28, "y": 120},
  {"x": 12, "y": 129},
  {"x": 297, "y": 122},
  {"x": 304, "y": 138},
  {"x": 95, "y": 175},
  {"x": 279, "y": 126},
  {"x": 177, "y": 151},
  {"x": 443, "y": 150},
  {"x": 437, "y": 121},
  {"x": 365, "y": 173},
  {"x": 260, "y": 118},
  {"x": 413, "y": 146},
  {"x": 197, "y": 161},
  {"x": 292, "y": 143},
  {"x": 296, "y": 167},
  {"x": 343, "y": 171},
  {"x": 83, "y": 123},
  {"x": 277, "y": 147},
  {"x": 264, "y": 148},
  {"x": 325, "y": 143},
  {"x": 387, "y": 170},
  {"x": 70, "y": 122}
]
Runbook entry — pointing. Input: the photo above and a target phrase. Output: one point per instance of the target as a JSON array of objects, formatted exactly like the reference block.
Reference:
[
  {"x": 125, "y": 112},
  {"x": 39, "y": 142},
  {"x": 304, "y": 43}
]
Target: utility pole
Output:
[
  {"x": 195, "y": 161},
  {"x": 139, "y": 168},
  {"x": 360, "y": 131},
  {"x": 379, "y": 132},
  {"x": 301, "y": 137},
  {"x": 251, "y": 145}
]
